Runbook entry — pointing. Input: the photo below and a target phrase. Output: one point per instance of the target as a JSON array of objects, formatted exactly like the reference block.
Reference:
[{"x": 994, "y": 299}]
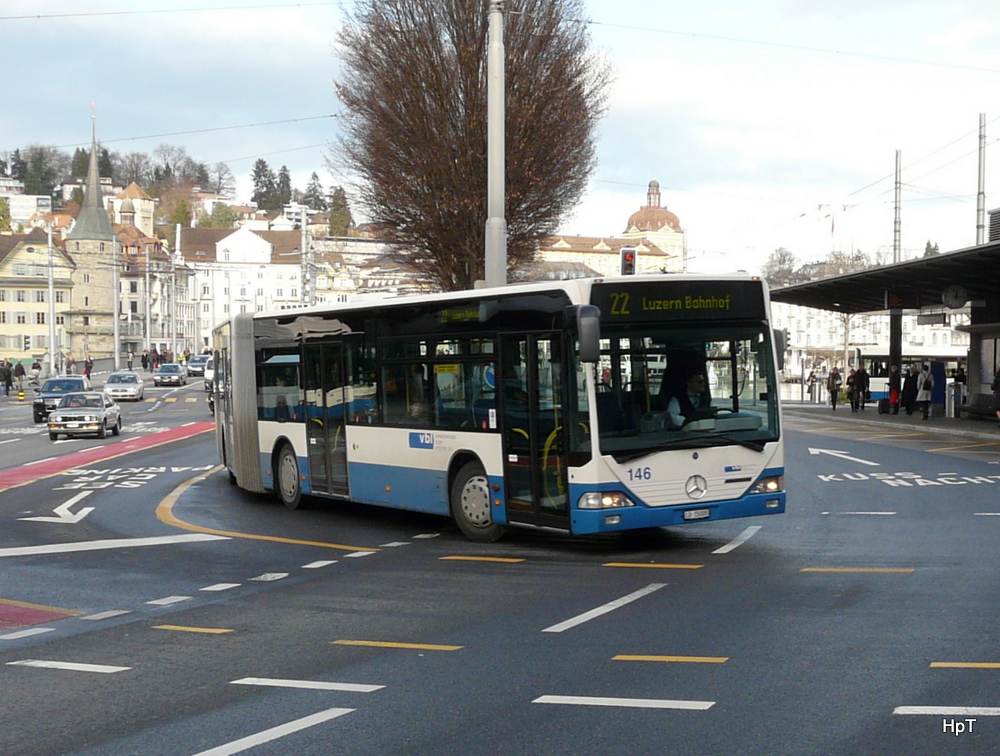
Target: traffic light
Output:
[
  {"x": 627, "y": 257},
  {"x": 27, "y": 343}
]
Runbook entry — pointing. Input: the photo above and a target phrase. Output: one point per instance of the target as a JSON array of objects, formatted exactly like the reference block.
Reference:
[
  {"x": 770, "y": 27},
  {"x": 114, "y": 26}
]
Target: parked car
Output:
[
  {"x": 196, "y": 364},
  {"x": 124, "y": 385},
  {"x": 84, "y": 413},
  {"x": 53, "y": 390},
  {"x": 170, "y": 374}
]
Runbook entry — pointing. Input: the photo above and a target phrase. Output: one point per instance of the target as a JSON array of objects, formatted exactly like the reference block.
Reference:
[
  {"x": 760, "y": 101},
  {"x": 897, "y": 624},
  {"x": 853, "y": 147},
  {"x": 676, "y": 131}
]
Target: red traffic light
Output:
[{"x": 627, "y": 256}]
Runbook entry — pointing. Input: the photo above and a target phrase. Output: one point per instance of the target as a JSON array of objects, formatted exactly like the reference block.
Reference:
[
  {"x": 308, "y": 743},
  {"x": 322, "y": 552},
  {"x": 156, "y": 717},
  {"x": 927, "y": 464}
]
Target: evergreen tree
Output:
[
  {"x": 283, "y": 187},
  {"x": 264, "y": 184},
  {"x": 78, "y": 169},
  {"x": 180, "y": 214},
  {"x": 341, "y": 221},
  {"x": 17, "y": 166},
  {"x": 313, "y": 198},
  {"x": 931, "y": 249},
  {"x": 104, "y": 163},
  {"x": 4, "y": 215},
  {"x": 222, "y": 216}
]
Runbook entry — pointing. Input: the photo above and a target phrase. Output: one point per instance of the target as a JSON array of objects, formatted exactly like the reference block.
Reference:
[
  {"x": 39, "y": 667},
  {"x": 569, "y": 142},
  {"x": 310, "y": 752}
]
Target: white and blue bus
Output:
[
  {"x": 564, "y": 406},
  {"x": 941, "y": 357}
]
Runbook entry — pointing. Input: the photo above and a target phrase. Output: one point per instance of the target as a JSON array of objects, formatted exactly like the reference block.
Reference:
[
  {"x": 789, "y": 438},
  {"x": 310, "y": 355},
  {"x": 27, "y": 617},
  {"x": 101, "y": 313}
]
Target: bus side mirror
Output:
[
  {"x": 587, "y": 321},
  {"x": 779, "y": 347}
]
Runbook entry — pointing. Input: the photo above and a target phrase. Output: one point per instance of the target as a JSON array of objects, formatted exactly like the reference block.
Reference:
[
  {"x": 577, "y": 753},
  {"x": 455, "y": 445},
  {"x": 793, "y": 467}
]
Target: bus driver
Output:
[{"x": 684, "y": 406}]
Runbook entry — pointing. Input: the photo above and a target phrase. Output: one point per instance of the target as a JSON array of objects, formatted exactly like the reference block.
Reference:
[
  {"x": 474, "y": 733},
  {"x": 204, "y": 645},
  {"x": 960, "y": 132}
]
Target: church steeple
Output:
[{"x": 93, "y": 223}]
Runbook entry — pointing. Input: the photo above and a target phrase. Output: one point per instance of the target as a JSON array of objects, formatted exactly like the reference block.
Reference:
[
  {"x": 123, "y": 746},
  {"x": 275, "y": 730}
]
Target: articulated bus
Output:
[
  {"x": 876, "y": 362},
  {"x": 565, "y": 406}
]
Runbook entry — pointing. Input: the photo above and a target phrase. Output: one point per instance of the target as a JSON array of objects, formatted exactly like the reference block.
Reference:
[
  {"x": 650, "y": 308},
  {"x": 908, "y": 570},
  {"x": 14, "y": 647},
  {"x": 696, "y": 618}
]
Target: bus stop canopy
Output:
[{"x": 907, "y": 285}]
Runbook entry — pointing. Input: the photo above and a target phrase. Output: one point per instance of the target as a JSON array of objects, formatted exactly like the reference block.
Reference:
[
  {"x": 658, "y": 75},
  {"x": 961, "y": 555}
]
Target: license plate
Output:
[
  {"x": 77, "y": 425},
  {"x": 697, "y": 514}
]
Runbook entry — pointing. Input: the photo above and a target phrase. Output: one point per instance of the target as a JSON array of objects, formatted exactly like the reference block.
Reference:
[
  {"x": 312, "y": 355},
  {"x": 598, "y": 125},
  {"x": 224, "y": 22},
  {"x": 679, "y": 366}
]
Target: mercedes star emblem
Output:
[{"x": 696, "y": 487}]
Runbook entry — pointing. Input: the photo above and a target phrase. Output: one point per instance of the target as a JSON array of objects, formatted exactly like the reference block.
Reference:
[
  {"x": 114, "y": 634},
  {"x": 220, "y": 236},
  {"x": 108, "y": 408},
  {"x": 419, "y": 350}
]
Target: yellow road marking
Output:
[
  {"x": 693, "y": 659},
  {"x": 191, "y": 399},
  {"x": 387, "y": 644},
  {"x": 857, "y": 569},
  {"x": 508, "y": 560},
  {"x": 184, "y": 629},
  {"x": 39, "y": 607},
  {"x": 150, "y": 401},
  {"x": 170, "y": 399},
  {"x": 656, "y": 566},
  {"x": 963, "y": 446},
  {"x": 164, "y": 513},
  {"x": 967, "y": 665}
]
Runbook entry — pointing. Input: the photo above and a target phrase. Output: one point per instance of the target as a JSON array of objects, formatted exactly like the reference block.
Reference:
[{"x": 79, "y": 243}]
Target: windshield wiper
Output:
[{"x": 755, "y": 445}]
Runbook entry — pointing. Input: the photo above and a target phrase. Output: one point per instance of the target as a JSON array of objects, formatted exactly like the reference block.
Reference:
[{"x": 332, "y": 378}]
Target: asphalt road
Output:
[{"x": 180, "y": 615}]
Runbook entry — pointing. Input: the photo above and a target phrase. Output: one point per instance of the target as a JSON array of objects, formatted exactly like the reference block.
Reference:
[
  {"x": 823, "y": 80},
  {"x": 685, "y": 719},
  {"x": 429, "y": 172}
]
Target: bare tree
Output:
[
  {"x": 781, "y": 268},
  {"x": 223, "y": 181},
  {"x": 414, "y": 87}
]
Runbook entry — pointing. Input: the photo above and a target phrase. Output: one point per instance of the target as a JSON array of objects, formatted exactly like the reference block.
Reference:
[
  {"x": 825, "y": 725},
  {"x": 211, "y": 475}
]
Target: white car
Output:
[{"x": 124, "y": 385}]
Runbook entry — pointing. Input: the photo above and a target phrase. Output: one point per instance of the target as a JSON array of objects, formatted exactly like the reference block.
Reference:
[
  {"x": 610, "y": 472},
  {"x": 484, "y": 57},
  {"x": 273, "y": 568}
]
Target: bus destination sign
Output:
[{"x": 681, "y": 300}]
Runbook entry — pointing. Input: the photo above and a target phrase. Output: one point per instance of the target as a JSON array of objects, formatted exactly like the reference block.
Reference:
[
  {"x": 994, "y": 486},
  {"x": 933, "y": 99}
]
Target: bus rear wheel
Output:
[
  {"x": 286, "y": 476},
  {"x": 470, "y": 504}
]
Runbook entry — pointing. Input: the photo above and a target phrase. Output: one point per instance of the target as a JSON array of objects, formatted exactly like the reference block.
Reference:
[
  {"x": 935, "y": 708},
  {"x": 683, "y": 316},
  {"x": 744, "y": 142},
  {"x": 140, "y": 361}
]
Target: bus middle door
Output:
[
  {"x": 324, "y": 384},
  {"x": 532, "y": 397}
]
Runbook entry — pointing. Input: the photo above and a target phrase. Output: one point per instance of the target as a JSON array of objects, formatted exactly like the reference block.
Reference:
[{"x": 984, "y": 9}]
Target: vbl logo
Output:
[{"x": 421, "y": 440}]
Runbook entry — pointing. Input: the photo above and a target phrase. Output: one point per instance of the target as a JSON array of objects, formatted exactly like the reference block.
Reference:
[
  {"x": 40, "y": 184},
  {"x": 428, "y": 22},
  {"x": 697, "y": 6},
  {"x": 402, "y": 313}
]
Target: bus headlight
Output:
[
  {"x": 604, "y": 500},
  {"x": 769, "y": 485}
]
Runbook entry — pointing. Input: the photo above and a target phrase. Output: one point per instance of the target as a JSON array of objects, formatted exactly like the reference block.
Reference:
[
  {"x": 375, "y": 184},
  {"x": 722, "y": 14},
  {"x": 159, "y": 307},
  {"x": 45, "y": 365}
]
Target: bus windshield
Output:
[{"x": 676, "y": 387}]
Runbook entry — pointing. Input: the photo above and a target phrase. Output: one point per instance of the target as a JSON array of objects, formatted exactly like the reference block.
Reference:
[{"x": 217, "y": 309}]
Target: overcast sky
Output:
[{"x": 767, "y": 123}]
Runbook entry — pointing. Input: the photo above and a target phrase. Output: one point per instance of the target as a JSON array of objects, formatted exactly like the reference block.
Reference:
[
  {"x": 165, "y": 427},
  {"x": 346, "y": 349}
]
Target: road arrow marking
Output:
[
  {"x": 63, "y": 515},
  {"x": 842, "y": 455}
]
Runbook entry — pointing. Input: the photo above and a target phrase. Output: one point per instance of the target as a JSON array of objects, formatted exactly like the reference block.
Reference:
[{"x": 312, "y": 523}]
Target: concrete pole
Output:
[
  {"x": 496, "y": 224},
  {"x": 115, "y": 304},
  {"x": 981, "y": 194},
  {"x": 52, "y": 307},
  {"x": 173, "y": 291},
  {"x": 896, "y": 241},
  {"x": 149, "y": 319}
]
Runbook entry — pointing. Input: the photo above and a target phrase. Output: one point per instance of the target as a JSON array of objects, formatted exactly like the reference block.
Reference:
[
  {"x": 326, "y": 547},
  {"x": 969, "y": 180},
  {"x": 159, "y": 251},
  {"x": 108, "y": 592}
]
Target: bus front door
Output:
[
  {"x": 324, "y": 385},
  {"x": 532, "y": 397}
]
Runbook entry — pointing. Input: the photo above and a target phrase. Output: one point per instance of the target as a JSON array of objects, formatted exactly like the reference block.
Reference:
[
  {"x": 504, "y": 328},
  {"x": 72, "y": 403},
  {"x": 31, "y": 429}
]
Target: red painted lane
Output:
[
  {"x": 14, "y": 614},
  {"x": 19, "y": 476}
]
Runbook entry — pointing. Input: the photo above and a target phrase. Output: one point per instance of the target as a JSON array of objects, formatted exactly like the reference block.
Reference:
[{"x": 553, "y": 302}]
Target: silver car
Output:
[
  {"x": 85, "y": 413},
  {"x": 124, "y": 385}
]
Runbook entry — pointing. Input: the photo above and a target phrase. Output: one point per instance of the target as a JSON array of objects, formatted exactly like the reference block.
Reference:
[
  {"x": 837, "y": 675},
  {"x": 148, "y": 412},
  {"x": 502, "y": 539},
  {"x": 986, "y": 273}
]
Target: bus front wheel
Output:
[
  {"x": 470, "y": 504},
  {"x": 287, "y": 478}
]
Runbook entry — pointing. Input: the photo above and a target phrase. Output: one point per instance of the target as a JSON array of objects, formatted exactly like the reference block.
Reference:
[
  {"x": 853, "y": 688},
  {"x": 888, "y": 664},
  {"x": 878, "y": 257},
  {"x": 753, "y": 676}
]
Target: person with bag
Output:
[
  {"x": 925, "y": 389},
  {"x": 852, "y": 389},
  {"x": 862, "y": 386},
  {"x": 895, "y": 389},
  {"x": 996, "y": 392},
  {"x": 833, "y": 383}
]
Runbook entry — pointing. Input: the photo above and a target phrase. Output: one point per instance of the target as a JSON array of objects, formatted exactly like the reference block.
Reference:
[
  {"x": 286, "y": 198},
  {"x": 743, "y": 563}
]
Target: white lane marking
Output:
[
  {"x": 62, "y": 513},
  {"x": 987, "y": 514},
  {"x": 37, "y": 461},
  {"x": 112, "y": 543},
  {"x": 320, "y": 563},
  {"x": 26, "y": 633},
  {"x": 393, "y": 544},
  {"x": 268, "y": 577},
  {"x": 307, "y": 684},
  {"x": 949, "y": 711},
  {"x": 426, "y": 535},
  {"x": 168, "y": 600},
  {"x": 69, "y": 666},
  {"x": 739, "y": 540},
  {"x": 842, "y": 455},
  {"x": 106, "y": 615},
  {"x": 220, "y": 587},
  {"x": 10, "y": 441},
  {"x": 857, "y": 513},
  {"x": 634, "y": 703},
  {"x": 355, "y": 554},
  {"x": 610, "y": 607},
  {"x": 252, "y": 741}
]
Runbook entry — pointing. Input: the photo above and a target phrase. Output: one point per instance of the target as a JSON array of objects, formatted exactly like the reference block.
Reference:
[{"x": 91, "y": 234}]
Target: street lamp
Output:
[{"x": 51, "y": 300}]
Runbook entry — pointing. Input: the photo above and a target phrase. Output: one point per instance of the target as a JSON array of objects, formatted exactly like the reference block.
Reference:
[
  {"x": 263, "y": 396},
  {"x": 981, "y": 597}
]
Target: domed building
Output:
[{"x": 653, "y": 230}]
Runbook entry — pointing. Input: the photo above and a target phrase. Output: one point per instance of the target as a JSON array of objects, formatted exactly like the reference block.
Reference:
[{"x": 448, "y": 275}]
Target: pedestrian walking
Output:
[
  {"x": 144, "y": 360},
  {"x": 862, "y": 384},
  {"x": 131, "y": 358},
  {"x": 909, "y": 396},
  {"x": 895, "y": 389},
  {"x": 996, "y": 392},
  {"x": 19, "y": 375},
  {"x": 833, "y": 384},
  {"x": 154, "y": 359},
  {"x": 925, "y": 389},
  {"x": 850, "y": 382},
  {"x": 6, "y": 379}
]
